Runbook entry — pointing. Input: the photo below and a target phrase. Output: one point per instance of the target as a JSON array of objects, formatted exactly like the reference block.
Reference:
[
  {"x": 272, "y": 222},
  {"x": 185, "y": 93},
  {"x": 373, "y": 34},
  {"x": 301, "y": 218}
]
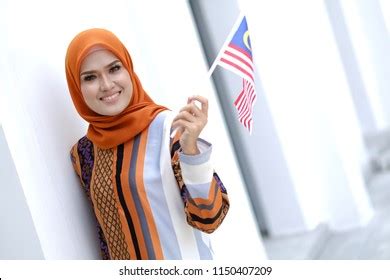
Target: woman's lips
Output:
[{"x": 111, "y": 98}]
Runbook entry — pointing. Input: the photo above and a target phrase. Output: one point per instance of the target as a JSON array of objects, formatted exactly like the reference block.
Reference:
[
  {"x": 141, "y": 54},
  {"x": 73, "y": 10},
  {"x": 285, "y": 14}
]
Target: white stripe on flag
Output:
[
  {"x": 244, "y": 104},
  {"x": 226, "y": 43},
  {"x": 238, "y": 63},
  {"x": 241, "y": 56},
  {"x": 235, "y": 71}
]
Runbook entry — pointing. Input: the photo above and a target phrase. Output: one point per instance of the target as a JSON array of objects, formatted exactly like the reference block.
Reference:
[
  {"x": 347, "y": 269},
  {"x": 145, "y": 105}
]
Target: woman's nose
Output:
[{"x": 106, "y": 83}]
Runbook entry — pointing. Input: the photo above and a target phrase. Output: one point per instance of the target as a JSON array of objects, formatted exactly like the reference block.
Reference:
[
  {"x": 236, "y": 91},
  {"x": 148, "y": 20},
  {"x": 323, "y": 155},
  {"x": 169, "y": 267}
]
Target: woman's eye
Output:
[
  {"x": 115, "y": 68},
  {"x": 88, "y": 78}
]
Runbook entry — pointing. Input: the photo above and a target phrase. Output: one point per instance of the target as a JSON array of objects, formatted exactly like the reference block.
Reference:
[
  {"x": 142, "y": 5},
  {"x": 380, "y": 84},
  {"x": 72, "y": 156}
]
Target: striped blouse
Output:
[{"x": 150, "y": 200}]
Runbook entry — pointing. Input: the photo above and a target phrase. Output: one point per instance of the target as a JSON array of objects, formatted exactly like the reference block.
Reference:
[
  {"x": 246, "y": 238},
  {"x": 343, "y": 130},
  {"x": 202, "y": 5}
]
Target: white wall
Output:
[{"x": 40, "y": 123}]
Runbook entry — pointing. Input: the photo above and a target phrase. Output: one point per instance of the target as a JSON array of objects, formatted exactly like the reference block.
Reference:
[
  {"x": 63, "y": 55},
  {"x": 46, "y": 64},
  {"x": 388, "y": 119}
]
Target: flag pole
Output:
[{"x": 227, "y": 41}]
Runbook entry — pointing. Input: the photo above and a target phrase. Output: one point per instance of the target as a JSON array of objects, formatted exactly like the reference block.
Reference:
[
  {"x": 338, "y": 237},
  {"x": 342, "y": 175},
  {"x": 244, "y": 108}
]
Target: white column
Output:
[
  {"x": 261, "y": 155},
  {"x": 371, "y": 43},
  {"x": 174, "y": 57},
  {"x": 303, "y": 79},
  {"x": 367, "y": 116},
  {"x": 19, "y": 239}
]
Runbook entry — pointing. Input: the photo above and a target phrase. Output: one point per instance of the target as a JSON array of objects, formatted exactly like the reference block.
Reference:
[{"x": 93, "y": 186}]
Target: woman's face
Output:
[{"x": 105, "y": 83}]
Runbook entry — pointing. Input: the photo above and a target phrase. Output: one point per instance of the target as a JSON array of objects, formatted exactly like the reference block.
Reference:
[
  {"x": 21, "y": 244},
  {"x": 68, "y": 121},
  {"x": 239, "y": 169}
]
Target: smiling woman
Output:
[
  {"x": 154, "y": 196},
  {"x": 105, "y": 84}
]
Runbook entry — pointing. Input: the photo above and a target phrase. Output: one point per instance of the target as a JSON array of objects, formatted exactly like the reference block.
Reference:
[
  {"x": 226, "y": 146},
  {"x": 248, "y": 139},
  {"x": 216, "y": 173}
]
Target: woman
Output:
[{"x": 154, "y": 195}]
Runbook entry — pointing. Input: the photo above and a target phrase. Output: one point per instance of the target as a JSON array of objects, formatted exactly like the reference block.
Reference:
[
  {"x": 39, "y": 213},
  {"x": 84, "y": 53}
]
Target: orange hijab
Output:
[{"x": 108, "y": 131}]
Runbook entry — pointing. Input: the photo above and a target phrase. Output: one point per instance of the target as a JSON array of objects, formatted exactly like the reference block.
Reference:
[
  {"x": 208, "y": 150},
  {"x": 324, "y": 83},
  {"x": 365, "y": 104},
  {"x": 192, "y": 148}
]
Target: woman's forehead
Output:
[
  {"x": 95, "y": 48},
  {"x": 96, "y": 59}
]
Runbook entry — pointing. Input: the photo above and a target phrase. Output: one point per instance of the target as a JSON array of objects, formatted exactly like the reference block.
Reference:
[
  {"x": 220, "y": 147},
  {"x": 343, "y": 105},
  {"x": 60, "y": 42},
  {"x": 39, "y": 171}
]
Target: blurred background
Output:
[{"x": 311, "y": 182}]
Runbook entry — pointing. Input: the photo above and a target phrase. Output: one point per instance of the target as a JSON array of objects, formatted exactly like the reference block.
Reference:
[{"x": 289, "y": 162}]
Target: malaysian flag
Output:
[
  {"x": 244, "y": 104},
  {"x": 236, "y": 56}
]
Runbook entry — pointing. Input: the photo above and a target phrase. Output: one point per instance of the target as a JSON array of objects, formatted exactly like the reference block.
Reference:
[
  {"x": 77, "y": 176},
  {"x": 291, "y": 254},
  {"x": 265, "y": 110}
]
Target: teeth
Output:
[{"x": 109, "y": 98}]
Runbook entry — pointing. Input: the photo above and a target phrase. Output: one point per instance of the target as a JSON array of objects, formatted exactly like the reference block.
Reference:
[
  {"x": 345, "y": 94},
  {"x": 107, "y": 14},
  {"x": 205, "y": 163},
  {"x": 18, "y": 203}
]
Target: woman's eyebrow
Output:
[{"x": 93, "y": 71}]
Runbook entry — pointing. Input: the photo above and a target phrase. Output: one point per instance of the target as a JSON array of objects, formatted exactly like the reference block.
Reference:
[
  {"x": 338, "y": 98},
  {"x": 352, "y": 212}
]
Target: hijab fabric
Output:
[{"x": 108, "y": 131}]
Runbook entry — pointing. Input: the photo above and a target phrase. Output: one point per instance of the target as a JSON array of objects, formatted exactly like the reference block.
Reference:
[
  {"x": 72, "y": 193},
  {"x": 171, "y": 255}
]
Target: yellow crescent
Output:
[{"x": 246, "y": 39}]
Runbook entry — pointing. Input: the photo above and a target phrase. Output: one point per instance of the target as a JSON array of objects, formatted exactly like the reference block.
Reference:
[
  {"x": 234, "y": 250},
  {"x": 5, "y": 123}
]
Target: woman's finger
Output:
[
  {"x": 181, "y": 125},
  {"x": 193, "y": 109},
  {"x": 203, "y": 101},
  {"x": 186, "y": 116}
]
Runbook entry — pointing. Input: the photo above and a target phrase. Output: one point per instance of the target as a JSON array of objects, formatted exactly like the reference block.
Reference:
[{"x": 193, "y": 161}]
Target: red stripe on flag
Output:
[
  {"x": 244, "y": 104},
  {"x": 239, "y": 58},
  {"x": 237, "y": 67},
  {"x": 241, "y": 51}
]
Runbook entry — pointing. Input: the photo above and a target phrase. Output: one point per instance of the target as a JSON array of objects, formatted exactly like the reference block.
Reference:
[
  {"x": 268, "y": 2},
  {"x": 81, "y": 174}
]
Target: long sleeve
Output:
[
  {"x": 74, "y": 157},
  {"x": 205, "y": 198},
  {"x": 82, "y": 158},
  {"x": 81, "y": 155}
]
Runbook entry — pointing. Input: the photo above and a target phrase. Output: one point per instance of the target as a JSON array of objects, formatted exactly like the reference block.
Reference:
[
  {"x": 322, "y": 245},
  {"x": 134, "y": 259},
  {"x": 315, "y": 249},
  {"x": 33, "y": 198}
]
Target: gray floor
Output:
[{"x": 370, "y": 242}]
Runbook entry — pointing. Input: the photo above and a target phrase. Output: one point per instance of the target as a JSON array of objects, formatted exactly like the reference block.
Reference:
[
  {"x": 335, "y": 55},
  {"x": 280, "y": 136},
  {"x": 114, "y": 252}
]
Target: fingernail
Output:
[{"x": 173, "y": 133}]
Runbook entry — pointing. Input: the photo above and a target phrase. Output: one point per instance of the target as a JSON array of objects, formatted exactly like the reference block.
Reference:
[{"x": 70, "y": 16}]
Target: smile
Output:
[{"x": 111, "y": 98}]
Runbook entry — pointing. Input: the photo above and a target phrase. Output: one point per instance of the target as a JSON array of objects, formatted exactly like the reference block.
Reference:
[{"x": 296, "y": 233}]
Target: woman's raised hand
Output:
[{"x": 190, "y": 121}]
